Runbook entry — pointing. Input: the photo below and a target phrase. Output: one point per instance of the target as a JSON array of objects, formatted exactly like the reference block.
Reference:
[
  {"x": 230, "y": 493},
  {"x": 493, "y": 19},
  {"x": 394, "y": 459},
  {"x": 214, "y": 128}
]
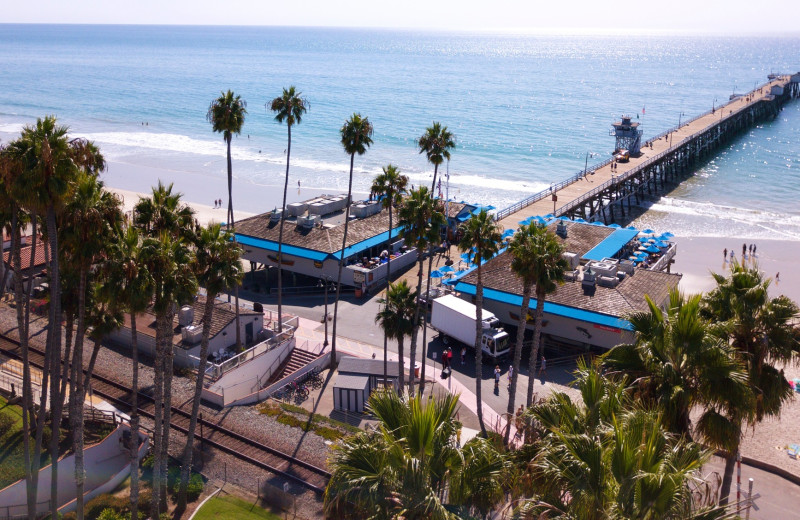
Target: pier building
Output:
[
  {"x": 602, "y": 286},
  {"x": 312, "y": 241}
]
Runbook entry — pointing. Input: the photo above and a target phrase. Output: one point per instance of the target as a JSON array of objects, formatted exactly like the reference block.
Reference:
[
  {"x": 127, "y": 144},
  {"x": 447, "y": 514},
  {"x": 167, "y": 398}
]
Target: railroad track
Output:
[{"x": 224, "y": 439}]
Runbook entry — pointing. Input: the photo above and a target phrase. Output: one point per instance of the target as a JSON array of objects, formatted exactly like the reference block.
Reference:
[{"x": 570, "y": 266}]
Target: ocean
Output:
[{"x": 526, "y": 110}]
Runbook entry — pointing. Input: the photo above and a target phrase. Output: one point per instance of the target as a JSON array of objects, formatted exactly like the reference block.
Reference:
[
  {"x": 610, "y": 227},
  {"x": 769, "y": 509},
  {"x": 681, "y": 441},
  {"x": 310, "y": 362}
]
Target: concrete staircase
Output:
[{"x": 296, "y": 360}]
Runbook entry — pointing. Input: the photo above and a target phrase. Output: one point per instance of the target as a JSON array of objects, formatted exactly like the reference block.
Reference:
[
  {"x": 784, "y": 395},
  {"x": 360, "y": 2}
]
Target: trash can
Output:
[
  {"x": 416, "y": 370},
  {"x": 358, "y": 293}
]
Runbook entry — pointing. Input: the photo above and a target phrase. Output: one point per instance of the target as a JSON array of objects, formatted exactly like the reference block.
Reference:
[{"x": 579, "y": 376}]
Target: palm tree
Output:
[
  {"x": 677, "y": 365},
  {"x": 390, "y": 185},
  {"x": 421, "y": 220},
  {"x": 134, "y": 287},
  {"x": 168, "y": 224},
  {"x": 289, "y": 107},
  {"x": 605, "y": 457},
  {"x": 480, "y": 241},
  {"x": 226, "y": 115},
  {"x": 436, "y": 143},
  {"x": 217, "y": 266},
  {"x": 410, "y": 466},
  {"x": 523, "y": 263},
  {"x": 396, "y": 318},
  {"x": 356, "y": 136},
  {"x": 760, "y": 328},
  {"x": 546, "y": 271},
  {"x": 47, "y": 167}
]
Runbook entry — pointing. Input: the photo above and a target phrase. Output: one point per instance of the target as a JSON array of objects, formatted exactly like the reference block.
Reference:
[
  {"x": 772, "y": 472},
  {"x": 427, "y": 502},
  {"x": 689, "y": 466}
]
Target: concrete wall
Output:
[
  {"x": 107, "y": 463},
  {"x": 249, "y": 376},
  {"x": 321, "y": 362},
  {"x": 562, "y": 327}
]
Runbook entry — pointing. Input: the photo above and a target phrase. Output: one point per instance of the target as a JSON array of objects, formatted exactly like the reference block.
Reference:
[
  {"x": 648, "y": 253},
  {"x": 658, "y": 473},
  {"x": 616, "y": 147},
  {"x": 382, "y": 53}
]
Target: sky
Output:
[{"x": 545, "y": 16}]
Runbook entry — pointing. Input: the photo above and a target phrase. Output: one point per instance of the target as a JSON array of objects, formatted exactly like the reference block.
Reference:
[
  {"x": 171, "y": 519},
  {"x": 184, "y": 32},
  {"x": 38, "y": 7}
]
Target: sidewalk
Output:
[{"x": 307, "y": 331}]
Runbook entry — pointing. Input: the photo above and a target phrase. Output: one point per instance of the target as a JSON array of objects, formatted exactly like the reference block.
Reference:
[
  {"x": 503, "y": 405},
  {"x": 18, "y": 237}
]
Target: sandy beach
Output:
[{"x": 698, "y": 257}]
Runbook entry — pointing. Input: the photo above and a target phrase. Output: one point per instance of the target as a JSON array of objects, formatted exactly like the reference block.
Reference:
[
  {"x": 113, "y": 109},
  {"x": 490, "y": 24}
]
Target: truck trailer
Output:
[{"x": 454, "y": 319}]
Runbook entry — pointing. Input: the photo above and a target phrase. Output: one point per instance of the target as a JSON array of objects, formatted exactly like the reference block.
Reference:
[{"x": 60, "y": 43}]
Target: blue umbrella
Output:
[
  {"x": 631, "y": 228},
  {"x": 562, "y": 217},
  {"x": 615, "y": 226},
  {"x": 539, "y": 220},
  {"x": 508, "y": 233},
  {"x": 548, "y": 216},
  {"x": 643, "y": 240},
  {"x": 652, "y": 249},
  {"x": 465, "y": 257},
  {"x": 598, "y": 223},
  {"x": 662, "y": 244},
  {"x": 524, "y": 222},
  {"x": 647, "y": 231},
  {"x": 580, "y": 220},
  {"x": 667, "y": 234},
  {"x": 436, "y": 274},
  {"x": 446, "y": 269}
]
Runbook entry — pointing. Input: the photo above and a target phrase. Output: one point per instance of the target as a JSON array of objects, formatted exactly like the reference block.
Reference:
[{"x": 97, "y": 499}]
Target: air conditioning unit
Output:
[
  {"x": 192, "y": 334},
  {"x": 561, "y": 229},
  {"x": 186, "y": 315}
]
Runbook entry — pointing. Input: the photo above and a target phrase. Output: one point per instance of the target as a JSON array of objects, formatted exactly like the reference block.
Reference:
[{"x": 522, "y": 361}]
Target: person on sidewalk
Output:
[
  {"x": 497, "y": 378},
  {"x": 510, "y": 374},
  {"x": 449, "y": 357},
  {"x": 543, "y": 368},
  {"x": 444, "y": 360},
  {"x": 463, "y": 355}
]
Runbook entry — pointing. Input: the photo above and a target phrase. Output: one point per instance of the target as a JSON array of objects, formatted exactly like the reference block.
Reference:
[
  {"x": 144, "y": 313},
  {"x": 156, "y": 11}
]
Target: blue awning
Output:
[
  {"x": 477, "y": 210},
  {"x": 549, "y": 307},
  {"x": 366, "y": 244},
  {"x": 611, "y": 245},
  {"x": 269, "y": 245}
]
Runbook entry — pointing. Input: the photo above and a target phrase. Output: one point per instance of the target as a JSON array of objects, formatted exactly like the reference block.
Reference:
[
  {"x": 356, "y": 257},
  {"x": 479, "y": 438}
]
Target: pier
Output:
[{"x": 599, "y": 193}]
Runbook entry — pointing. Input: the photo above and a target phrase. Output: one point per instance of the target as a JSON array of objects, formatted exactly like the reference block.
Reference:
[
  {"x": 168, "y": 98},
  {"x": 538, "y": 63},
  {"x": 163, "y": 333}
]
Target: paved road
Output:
[{"x": 778, "y": 498}]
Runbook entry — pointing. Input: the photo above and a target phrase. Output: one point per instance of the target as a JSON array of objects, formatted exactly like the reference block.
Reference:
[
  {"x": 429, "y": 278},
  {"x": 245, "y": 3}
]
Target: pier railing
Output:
[
  {"x": 536, "y": 197},
  {"x": 649, "y": 162}
]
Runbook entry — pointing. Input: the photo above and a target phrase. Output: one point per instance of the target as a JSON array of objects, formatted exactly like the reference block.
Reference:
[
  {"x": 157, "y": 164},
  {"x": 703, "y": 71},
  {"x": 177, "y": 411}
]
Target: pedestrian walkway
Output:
[{"x": 307, "y": 330}]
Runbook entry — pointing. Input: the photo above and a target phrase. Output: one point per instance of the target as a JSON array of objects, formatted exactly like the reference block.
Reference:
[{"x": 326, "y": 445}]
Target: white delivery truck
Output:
[{"x": 455, "y": 318}]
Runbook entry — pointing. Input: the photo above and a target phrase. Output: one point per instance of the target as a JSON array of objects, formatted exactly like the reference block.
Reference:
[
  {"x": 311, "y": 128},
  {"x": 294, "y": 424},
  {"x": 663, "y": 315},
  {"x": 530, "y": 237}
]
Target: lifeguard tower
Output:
[{"x": 628, "y": 135}]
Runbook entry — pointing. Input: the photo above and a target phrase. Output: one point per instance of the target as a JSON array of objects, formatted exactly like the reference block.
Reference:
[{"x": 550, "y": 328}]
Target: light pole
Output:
[{"x": 325, "y": 317}]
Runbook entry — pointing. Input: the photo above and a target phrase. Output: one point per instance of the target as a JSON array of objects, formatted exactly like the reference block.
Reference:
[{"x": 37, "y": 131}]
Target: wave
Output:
[{"x": 783, "y": 225}]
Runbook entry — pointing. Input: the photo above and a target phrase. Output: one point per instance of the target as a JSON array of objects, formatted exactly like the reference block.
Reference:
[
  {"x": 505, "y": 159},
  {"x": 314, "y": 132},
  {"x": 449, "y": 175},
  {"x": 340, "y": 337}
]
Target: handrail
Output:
[{"x": 505, "y": 212}]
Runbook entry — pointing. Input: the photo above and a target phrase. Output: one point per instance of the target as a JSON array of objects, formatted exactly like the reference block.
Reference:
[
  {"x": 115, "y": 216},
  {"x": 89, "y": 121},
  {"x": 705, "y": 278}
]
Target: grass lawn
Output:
[
  {"x": 12, "y": 462},
  {"x": 228, "y": 507}
]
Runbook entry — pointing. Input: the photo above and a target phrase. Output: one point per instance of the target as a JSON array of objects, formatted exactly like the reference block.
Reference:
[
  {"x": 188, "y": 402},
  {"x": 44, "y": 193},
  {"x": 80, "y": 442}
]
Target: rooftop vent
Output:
[
  {"x": 561, "y": 229},
  {"x": 186, "y": 315},
  {"x": 192, "y": 334},
  {"x": 589, "y": 284}
]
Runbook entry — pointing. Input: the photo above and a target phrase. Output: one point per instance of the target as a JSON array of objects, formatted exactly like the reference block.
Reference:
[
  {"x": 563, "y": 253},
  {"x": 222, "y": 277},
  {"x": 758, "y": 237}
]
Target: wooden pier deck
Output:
[{"x": 578, "y": 188}]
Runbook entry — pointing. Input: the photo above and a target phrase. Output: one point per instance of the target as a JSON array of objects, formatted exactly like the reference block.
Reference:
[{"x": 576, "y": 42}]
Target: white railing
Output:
[
  {"x": 662, "y": 262},
  {"x": 321, "y": 363}
]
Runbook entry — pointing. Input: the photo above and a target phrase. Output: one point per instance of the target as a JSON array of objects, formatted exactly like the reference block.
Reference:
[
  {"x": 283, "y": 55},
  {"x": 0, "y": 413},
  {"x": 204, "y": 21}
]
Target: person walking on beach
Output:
[
  {"x": 732, "y": 255},
  {"x": 725, "y": 254},
  {"x": 744, "y": 252},
  {"x": 754, "y": 250},
  {"x": 497, "y": 378},
  {"x": 778, "y": 277}
]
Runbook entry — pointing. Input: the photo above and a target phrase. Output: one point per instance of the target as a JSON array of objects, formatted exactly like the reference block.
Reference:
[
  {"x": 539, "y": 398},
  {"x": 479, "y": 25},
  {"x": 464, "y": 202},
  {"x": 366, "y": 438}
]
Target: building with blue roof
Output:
[
  {"x": 589, "y": 309},
  {"x": 312, "y": 243}
]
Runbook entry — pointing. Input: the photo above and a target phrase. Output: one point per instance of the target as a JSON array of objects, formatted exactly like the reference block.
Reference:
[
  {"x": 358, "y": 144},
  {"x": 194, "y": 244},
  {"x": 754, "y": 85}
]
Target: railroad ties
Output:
[{"x": 217, "y": 436}]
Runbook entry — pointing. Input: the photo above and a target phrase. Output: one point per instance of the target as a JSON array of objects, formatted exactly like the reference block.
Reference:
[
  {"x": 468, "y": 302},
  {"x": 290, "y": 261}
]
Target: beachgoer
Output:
[
  {"x": 754, "y": 250},
  {"x": 744, "y": 251},
  {"x": 543, "y": 367},
  {"x": 463, "y": 355},
  {"x": 778, "y": 277},
  {"x": 725, "y": 254},
  {"x": 298, "y": 184},
  {"x": 510, "y": 374},
  {"x": 444, "y": 359},
  {"x": 732, "y": 255},
  {"x": 497, "y": 377},
  {"x": 449, "y": 357}
]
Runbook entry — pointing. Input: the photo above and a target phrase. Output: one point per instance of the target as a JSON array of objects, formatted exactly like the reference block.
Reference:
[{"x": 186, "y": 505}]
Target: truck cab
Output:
[{"x": 494, "y": 342}]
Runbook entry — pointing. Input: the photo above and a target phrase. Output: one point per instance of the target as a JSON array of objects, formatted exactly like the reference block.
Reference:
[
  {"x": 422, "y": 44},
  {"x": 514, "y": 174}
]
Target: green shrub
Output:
[
  {"x": 6, "y": 423},
  {"x": 290, "y": 420},
  {"x": 95, "y": 507},
  {"x": 195, "y": 488},
  {"x": 270, "y": 409},
  {"x": 330, "y": 434},
  {"x": 110, "y": 514}
]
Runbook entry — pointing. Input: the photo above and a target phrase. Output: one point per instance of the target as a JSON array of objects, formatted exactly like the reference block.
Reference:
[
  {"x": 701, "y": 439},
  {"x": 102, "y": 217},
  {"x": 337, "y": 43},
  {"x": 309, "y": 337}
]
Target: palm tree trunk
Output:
[
  {"x": 186, "y": 463},
  {"x": 388, "y": 281},
  {"x": 727, "y": 479},
  {"x": 413, "y": 348},
  {"x": 537, "y": 334},
  {"x": 232, "y": 229},
  {"x": 478, "y": 349},
  {"x": 58, "y": 406},
  {"x": 158, "y": 416},
  {"x": 134, "y": 421},
  {"x": 425, "y": 324},
  {"x": 433, "y": 184},
  {"x": 401, "y": 370},
  {"x": 27, "y": 396},
  {"x": 169, "y": 355},
  {"x": 280, "y": 231},
  {"x": 76, "y": 393},
  {"x": 523, "y": 322},
  {"x": 341, "y": 261}
]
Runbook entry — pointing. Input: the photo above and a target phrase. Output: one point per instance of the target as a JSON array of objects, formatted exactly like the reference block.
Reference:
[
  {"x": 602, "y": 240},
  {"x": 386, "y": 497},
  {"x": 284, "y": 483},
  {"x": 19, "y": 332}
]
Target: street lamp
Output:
[
  {"x": 324, "y": 281},
  {"x": 678, "y": 128}
]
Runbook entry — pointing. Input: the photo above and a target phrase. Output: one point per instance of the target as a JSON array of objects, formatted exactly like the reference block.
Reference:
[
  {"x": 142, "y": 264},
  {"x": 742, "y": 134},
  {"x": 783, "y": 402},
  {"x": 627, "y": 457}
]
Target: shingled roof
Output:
[
  {"x": 581, "y": 237},
  {"x": 25, "y": 254},
  {"x": 454, "y": 208},
  {"x": 326, "y": 240},
  {"x": 224, "y": 314},
  {"x": 625, "y": 298}
]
